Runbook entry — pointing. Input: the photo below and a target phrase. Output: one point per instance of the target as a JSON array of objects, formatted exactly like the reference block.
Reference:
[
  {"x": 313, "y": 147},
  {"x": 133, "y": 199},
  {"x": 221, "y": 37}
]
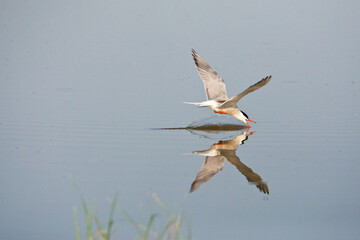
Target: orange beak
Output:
[{"x": 251, "y": 120}]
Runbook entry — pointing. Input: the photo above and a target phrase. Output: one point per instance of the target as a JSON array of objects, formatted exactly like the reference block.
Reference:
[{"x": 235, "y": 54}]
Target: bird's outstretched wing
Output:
[
  {"x": 210, "y": 167},
  {"x": 215, "y": 88},
  {"x": 251, "y": 176},
  {"x": 233, "y": 101}
]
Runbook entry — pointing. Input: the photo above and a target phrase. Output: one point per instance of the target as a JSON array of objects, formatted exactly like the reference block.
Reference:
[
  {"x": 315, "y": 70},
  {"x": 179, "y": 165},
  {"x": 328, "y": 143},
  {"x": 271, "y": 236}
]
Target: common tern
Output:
[{"x": 215, "y": 89}]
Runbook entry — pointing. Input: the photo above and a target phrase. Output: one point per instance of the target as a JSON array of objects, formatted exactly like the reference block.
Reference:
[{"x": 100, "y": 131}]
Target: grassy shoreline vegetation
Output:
[{"x": 171, "y": 230}]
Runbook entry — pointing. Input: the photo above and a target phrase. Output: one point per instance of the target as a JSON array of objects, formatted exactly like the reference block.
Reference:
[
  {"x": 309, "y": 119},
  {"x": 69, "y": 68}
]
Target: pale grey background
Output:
[{"x": 83, "y": 82}]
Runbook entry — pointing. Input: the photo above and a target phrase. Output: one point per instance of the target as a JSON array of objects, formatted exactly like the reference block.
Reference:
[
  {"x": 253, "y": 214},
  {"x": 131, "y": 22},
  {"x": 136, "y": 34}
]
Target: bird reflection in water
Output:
[{"x": 215, "y": 157}]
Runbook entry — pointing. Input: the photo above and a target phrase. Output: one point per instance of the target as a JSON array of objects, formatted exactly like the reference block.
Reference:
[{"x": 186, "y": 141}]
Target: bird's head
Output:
[{"x": 245, "y": 118}]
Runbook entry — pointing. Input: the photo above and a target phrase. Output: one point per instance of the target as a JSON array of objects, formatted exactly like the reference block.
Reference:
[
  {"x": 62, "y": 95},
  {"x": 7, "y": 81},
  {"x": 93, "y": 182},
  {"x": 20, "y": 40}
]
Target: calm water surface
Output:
[{"x": 85, "y": 89}]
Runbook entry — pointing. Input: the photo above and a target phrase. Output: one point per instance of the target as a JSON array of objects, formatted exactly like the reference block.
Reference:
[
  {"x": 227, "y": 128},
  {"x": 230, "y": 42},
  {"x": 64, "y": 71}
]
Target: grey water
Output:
[{"x": 85, "y": 88}]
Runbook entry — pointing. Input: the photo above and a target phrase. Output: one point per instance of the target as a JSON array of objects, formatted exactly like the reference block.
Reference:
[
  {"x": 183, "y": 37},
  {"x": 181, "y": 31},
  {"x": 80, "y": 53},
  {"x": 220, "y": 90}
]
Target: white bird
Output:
[{"x": 215, "y": 90}]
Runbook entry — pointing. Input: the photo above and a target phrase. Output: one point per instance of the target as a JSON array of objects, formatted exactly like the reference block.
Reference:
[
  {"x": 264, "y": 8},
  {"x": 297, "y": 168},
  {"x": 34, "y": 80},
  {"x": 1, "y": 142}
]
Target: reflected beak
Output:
[{"x": 251, "y": 120}]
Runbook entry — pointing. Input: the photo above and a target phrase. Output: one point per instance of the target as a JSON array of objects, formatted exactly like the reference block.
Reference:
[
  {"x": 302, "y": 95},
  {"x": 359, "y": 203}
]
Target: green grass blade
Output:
[
  {"x": 157, "y": 199},
  {"x": 96, "y": 220},
  {"x": 100, "y": 231},
  {"x": 111, "y": 217},
  {"x": 130, "y": 219},
  {"x": 76, "y": 222},
  {"x": 166, "y": 229},
  {"x": 178, "y": 226},
  {"x": 86, "y": 212},
  {"x": 148, "y": 227},
  {"x": 87, "y": 219}
]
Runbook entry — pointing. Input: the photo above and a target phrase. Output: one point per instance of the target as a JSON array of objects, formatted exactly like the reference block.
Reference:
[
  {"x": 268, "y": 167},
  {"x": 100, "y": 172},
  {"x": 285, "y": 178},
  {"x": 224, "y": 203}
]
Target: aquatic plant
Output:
[{"x": 171, "y": 230}]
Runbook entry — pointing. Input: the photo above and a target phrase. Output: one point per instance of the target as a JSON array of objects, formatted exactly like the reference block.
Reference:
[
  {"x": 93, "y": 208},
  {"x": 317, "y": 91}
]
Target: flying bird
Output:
[{"x": 215, "y": 89}]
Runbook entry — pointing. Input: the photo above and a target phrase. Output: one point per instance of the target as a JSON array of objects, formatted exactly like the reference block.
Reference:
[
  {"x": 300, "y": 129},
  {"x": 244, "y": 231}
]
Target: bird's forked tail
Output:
[{"x": 203, "y": 104}]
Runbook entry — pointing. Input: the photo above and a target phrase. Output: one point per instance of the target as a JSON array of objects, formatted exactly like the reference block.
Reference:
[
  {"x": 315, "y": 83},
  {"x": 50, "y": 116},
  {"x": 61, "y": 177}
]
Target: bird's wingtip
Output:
[
  {"x": 193, "y": 53},
  {"x": 267, "y": 79}
]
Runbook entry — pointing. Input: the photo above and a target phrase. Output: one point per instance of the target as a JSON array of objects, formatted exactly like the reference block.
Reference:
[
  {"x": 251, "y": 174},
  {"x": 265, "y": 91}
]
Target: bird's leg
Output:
[
  {"x": 246, "y": 132},
  {"x": 248, "y": 128},
  {"x": 251, "y": 133},
  {"x": 220, "y": 143},
  {"x": 221, "y": 112}
]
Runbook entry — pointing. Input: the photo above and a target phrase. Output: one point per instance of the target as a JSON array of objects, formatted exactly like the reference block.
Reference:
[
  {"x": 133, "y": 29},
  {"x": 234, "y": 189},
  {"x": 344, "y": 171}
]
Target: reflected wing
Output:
[
  {"x": 210, "y": 167},
  {"x": 252, "y": 177},
  {"x": 214, "y": 85},
  {"x": 233, "y": 101}
]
